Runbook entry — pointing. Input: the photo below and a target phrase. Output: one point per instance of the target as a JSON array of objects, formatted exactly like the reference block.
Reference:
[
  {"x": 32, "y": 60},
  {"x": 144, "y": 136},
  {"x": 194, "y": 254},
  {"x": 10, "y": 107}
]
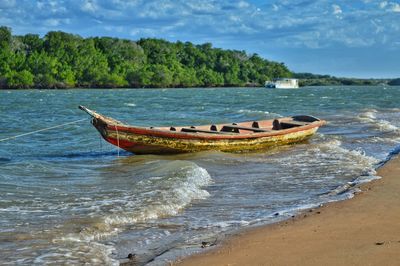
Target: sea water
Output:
[{"x": 66, "y": 197}]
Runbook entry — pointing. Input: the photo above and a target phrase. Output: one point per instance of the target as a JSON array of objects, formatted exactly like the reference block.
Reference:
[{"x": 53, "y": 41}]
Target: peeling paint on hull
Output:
[
  {"x": 142, "y": 144},
  {"x": 160, "y": 140}
]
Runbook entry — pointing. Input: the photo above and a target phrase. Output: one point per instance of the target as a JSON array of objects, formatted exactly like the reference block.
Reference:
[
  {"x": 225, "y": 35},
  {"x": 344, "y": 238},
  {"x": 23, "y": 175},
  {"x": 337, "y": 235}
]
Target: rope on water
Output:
[
  {"x": 116, "y": 129},
  {"x": 44, "y": 129}
]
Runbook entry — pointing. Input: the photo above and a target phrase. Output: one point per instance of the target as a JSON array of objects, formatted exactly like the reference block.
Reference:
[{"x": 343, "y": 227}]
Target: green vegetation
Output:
[
  {"x": 308, "y": 79},
  {"x": 394, "y": 82},
  {"x": 63, "y": 60}
]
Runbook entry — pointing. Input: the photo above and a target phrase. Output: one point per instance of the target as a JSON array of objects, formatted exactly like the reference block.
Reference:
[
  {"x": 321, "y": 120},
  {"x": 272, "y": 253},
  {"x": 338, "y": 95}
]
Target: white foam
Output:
[
  {"x": 330, "y": 160},
  {"x": 370, "y": 116},
  {"x": 246, "y": 111},
  {"x": 183, "y": 183},
  {"x": 358, "y": 156},
  {"x": 170, "y": 200},
  {"x": 386, "y": 126},
  {"x": 10, "y": 209},
  {"x": 295, "y": 209},
  {"x": 82, "y": 253},
  {"x": 222, "y": 224}
]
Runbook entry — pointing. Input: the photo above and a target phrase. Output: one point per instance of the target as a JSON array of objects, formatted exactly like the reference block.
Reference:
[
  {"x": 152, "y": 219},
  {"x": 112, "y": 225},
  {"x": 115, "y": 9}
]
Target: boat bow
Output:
[{"x": 233, "y": 137}]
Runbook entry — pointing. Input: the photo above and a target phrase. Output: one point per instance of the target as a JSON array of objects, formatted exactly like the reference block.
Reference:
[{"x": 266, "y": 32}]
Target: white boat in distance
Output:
[{"x": 283, "y": 83}]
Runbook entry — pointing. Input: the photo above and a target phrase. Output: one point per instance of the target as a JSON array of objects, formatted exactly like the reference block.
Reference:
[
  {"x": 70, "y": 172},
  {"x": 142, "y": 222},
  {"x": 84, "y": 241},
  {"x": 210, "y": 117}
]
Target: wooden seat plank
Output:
[
  {"x": 254, "y": 129},
  {"x": 195, "y": 130}
]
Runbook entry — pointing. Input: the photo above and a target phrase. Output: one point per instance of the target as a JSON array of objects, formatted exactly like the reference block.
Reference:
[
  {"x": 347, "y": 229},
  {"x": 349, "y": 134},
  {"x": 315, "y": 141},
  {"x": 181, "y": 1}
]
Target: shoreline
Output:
[
  {"x": 363, "y": 230},
  {"x": 183, "y": 88},
  {"x": 134, "y": 88}
]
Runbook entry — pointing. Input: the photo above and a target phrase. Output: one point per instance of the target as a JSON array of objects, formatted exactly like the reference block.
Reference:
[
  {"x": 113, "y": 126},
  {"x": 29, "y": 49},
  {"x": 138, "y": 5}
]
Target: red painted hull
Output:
[{"x": 238, "y": 137}]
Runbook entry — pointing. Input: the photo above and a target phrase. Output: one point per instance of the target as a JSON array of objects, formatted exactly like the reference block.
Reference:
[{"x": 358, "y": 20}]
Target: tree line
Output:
[
  {"x": 309, "y": 79},
  {"x": 64, "y": 60}
]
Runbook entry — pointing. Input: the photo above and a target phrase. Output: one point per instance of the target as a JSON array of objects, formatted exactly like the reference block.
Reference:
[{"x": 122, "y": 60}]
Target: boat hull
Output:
[
  {"x": 234, "y": 137},
  {"x": 141, "y": 144},
  {"x": 145, "y": 143}
]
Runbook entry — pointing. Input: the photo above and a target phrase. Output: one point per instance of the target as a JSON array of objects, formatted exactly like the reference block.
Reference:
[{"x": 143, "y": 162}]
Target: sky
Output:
[{"x": 345, "y": 38}]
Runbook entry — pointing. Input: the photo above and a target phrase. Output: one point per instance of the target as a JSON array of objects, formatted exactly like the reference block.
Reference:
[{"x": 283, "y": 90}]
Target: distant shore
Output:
[
  {"x": 200, "y": 87},
  {"x": 364, "y": 230},
  {"x": 133, "y": 88}
]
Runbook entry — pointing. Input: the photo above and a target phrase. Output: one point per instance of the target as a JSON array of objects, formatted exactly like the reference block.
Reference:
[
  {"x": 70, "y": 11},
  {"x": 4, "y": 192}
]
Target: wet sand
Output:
[{"x": 364, "y": 230}]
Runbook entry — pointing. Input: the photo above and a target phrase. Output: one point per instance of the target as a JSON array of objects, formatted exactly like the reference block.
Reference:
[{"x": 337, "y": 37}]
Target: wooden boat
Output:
[{"x": 234, "y": 137}]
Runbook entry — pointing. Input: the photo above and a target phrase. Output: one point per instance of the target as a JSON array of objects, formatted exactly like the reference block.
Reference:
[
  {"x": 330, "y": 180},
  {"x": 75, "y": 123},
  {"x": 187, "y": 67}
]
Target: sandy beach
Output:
[{"x": 364, "y": 230}]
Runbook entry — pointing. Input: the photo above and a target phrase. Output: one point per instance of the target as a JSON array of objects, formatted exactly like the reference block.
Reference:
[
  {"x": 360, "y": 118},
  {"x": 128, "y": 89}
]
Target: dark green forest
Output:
[
  {"x": 394, "y": 82},
  {"x": 308, "y": 79},
  {"x": 63, "y": 60}
]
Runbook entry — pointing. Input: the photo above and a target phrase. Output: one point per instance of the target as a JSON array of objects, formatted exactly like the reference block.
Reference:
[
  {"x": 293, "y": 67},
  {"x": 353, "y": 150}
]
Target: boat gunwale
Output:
[
  {"x": 115, "y": 125},
  {"x": 161, "y": 140},
  {"x": 155, "y": 132}
]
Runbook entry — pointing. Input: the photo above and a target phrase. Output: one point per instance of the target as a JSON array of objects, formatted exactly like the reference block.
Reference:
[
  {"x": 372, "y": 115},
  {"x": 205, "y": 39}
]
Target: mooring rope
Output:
[
  {"x": 43, "y": 129},
  {"x": 116, "y": 129}
]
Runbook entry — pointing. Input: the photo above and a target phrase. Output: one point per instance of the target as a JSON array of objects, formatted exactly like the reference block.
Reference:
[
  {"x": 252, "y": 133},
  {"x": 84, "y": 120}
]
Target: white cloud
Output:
[
  {"x": 156, "y": 10},
  {"x": 378, "y": 27},
  {"x": 52, "y": 22},
  {"x": 146, "y": 32},
  {"x": 5, "y": 4},
  {"x": 243, "y": 4},
  {"x": 202, "y": 6},
  {"x": 235, "y": 18},
  {"x": 390, "y": 6},
  {"x": 50, "y": 6},
  {"x": 114, "y": 29},
  {"x": 284, "y": 23},
  {"x": 89, "y": 6},
  {"x": 395, "y": 7},
  {"x": 40, "y": 5},
  {"x": 336, "y": 9},
  {"x": 311, "y": 40},
  {"x": 254, "y": 26}
]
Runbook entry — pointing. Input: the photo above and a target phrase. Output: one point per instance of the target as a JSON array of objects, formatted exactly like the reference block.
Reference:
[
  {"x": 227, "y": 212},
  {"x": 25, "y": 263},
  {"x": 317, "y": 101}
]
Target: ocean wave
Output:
[
  {"x": 361, "y": 166},
  {"x": 20, "y": 211},
  {"x": 293, "y": 210},
  {"x": 76, "y": 156},
  {"x": 92, "y": 253},
  {"x": 371, "y": 116},
  {"x": 221, "y": 224},
  {"x": 394, "y": 110},
  {"x": 368, "y": 115},
  {"x": 255, "y": 112},
  {"x": 246, "y": 111},
  {"x": 4, "y": 160},
  {"x": 325, "y": 163},
  {"x": 171, "y": 186},
  {"x": 167, "y": 194},
  {"x": 328, "y": 150},
  {"x": 384, "y": 125},
  {"x": 334, "y": 148}
]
